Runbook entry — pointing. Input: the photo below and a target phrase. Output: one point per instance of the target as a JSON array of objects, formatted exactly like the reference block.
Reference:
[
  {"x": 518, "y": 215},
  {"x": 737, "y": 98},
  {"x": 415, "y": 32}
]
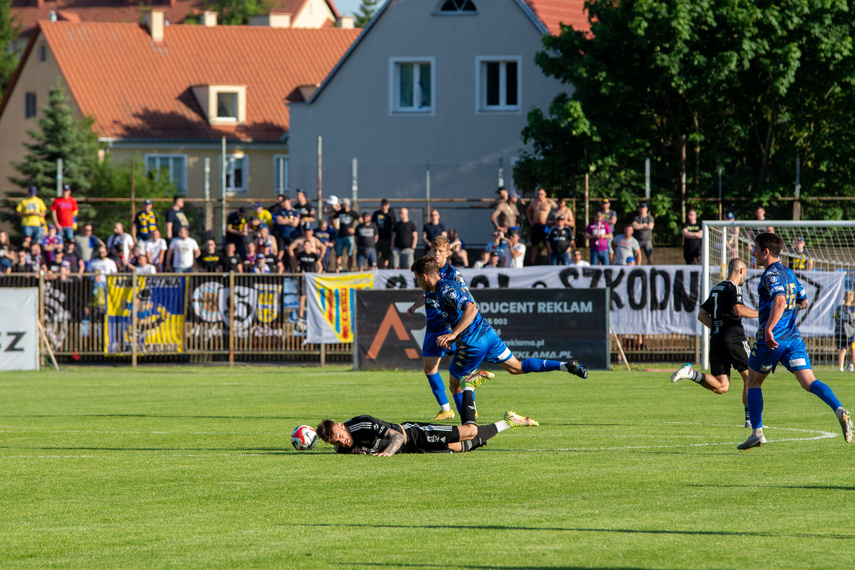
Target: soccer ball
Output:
[{"x": 304, "y": 438}]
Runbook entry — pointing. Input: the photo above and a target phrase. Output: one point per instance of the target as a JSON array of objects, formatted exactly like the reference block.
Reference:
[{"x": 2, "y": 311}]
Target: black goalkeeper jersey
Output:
[
  {"x": 369, "y": 433},
  {"x": 727, "y": 325}
]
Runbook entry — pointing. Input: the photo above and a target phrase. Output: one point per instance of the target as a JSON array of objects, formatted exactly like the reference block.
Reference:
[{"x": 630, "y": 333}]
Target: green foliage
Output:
[
  {"x": 366, "y": 11},
  {"x": 192, "y": 467},
  {"x": 231, "y": 12},
  {"x": 10, "y": 30},
  {"x": 751, "y": 85}
]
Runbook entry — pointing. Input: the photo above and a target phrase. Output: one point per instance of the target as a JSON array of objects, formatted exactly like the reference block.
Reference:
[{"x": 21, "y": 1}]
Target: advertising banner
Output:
[
  {"x": 19, "y": 332},
  {"x": 553, "y": 324},
  {"x": 330, "y": 300},
  {"x": 160, "y": 314}
]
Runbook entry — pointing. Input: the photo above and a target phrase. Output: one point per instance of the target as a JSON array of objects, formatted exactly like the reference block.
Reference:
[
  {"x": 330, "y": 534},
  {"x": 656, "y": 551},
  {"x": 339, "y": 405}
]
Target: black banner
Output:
[{"x": 551, "y": 324}]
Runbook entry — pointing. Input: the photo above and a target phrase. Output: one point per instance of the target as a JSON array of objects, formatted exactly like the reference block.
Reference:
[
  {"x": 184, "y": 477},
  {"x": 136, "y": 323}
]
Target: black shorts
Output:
[
  {"x": 384, "y": 249},
  {"x": 538, "y": 234},
  {"x": 429, "y": 438},
  {"x": 724, "y": 355},
  {"x": 843, "y": 342}
]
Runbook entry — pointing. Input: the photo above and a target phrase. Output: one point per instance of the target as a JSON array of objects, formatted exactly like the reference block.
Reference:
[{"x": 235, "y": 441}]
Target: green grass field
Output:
[{"x": 193, "y": 467}]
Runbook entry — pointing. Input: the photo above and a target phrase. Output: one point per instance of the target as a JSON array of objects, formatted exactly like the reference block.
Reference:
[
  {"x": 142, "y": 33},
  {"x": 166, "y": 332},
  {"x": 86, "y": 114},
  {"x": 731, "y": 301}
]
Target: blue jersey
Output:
[
  {"x": 448, "y": 302},
  {"x": 779, "y": 281},
  {"x": 435, "y": 321}
]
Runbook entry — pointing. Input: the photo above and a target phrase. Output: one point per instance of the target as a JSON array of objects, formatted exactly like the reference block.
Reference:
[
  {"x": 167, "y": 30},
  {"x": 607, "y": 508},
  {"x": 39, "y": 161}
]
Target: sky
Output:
[{"x": 348, "y": 7}]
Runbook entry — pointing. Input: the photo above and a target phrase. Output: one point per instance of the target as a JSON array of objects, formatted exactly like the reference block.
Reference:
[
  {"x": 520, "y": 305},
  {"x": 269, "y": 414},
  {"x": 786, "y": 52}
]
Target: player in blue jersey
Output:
[
  {"x": 475, "y": 339},
  {"x": 778, "y": 339},
  {"x": 432, "y": 353}
]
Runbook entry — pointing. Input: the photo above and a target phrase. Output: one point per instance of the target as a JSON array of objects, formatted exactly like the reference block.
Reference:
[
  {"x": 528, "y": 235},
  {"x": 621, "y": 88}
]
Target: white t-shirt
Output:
[
  {"x": 106, "y": 266},
  {"x": 182, "y": 257},
  {"x": 147, "y": 270},
  {"x": 517, "y": 262},
  {"x": 153, "y": 249},
  {"x": 582, "y": 263},
  {"x": 123, "y": 240}
]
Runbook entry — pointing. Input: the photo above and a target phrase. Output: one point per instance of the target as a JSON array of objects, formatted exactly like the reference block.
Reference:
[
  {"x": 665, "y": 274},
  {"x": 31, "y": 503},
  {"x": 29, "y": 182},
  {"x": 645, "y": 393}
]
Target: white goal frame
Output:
[{"x": 705, "y": 256}]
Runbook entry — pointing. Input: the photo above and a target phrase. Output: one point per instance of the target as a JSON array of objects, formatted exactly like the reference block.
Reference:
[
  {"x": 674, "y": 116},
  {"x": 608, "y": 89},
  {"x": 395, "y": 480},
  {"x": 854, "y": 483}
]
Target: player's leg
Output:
[
  {"x": 744, "y": 374},
  {"x": 511, "y": 421},
  {"x": 755, "y": 408},
  {"x": 808, "y": 381},
  {"x": 718, "y": 384},
  {"x": 437, "y": 386}
]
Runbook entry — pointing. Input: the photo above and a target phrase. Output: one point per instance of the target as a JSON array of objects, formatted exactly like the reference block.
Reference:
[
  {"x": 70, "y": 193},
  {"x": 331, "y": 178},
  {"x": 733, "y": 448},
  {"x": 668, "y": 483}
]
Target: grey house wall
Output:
[{"x": 463, "y": 146}]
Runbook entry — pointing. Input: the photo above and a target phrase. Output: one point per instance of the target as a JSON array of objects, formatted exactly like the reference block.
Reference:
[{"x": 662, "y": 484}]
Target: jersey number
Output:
[
  {"x": 715, "y": 310},
  {"x": 791, "y": 296}
]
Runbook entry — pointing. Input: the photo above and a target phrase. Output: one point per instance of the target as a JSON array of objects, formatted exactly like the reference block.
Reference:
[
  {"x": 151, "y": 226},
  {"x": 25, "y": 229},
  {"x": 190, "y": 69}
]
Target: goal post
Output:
[{"x": 809, "y": 246}]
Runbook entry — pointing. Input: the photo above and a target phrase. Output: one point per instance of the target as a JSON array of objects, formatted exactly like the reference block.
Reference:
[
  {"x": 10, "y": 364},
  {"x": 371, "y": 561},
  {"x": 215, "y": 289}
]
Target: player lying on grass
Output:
[
  {"x": 476, "y": 340},
  {"x": 778, "y": 339},
  {"x": 432, "y": 353},
  {"x": 722, "y": 313},
  {"x": 368, "y": 435}
]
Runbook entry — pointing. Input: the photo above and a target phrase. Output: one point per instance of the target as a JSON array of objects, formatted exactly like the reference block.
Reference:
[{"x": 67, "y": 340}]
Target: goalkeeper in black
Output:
[
  {"x": 722, "y": 313},
  {"x": 368, "y": 435}
]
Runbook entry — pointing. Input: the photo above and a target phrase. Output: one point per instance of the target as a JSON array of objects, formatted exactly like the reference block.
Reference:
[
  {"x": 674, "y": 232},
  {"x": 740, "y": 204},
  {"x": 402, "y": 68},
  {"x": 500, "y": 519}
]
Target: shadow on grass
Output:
[
  {"x": 248, "y": 450},
  {"x": 155, "y": 416},
  {"x": 764, "y": 486},
  {"x": 578, "y": 529},
  {"x": 527, "y": 566}
]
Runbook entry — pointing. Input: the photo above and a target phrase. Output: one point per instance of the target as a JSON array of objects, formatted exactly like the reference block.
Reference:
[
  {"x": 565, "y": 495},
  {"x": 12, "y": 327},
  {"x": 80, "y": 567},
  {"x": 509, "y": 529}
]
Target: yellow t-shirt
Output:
[
  {"x": 31, "y": 206},
  {"x": 266, "y": 218}
]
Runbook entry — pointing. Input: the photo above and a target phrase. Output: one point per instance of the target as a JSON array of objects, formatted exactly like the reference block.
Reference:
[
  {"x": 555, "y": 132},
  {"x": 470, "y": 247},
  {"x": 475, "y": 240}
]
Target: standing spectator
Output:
[
  {"x": 237, "y": 231},
  {"x": 432, "y": 230},
  {"x": 502, "y": 196},
  {"x": 626, "y": 247},
  {"x": 276, "y": 206},
  {"x": 732, "y": 238},
  {"x": 183, "y": 251},
  {"x": 53, "y": 266},
  {"x": 264, "y": 239},
  {"x": 537, "y": 214},
  {"x": 844, "y": 329},
  {"x": 610, "y": 217},
  {"x": 64, "y": 212},
  {"x": 121, "y": 241},
  {"x": 324, "y": 241},
  {"x": 145, "y": 222},
  {"x": 405, "y": 238},
  {"x": 330, "y": 211},
  {"x": 564, "y": 210},
  {"x": 6, "y": 256},
  {"x": 384, "y": 219},
  {"x": 265, "y": 216},
  {"x": 209, "y": 261},
  {"x": 175, "y": 219},
  {"x": 72, "y": 257},
  {"x": 254, "y": 229},
  {"x": 308, "y": 261},
  {"x": 304, "y": 207},
  {"x": 366, "y": 243},
  {"x": 642, "y": 224},
  {"x": 800, "y": 258},
  {"x": 576, "y": 259},
  {"x": 345, "y": 244},
  {"x": 499, "y": 246},
  {"x": 115, "y": 253},
  {"x": 231, "y": 260},
  {"x": 51, "y": 244},
  {"x": 287, "y": 224},
  {"x": 297, "y": 246},
  {"x": 87, "y": 244},
  {"x": 155, "y": 249},
  {"x": 505, "y": 215},
  {"x": 32, "y": 212},
  {"x": 598, "y": 235},
  {"x": 483, "y": 261},
  {"x": 692, "y": 237},
  {"x": 144, "y": 267},
  {"x": 559, "y": 241},
  {"x": 516, "y": 250},
  {"x": 103, "y": 264},
  {"x": 459, "y": 255}
]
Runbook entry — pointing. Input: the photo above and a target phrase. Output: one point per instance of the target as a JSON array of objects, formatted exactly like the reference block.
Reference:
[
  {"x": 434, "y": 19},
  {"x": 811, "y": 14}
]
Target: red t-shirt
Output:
[{"x": 64, "y": 211}]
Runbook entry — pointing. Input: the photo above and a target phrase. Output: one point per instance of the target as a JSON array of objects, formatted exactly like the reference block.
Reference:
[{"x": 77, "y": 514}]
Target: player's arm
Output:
[
  {"x": 415, "y": 306},
  {"x": 705, "y": 318},
  {"x": 778, "y": 306},
  {"x": 803, "y": 304},
  {"x": 396, "y": 440},
  {"x": 469, "y": 314},
  {"x": 744, "y": 312}
]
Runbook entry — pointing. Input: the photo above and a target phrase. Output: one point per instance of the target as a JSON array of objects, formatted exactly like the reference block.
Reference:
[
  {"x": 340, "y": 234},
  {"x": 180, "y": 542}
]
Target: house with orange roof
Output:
[
  {"x": 28, "y": 13},
  {"x": 452, "y": 83},
  {"x": 173, "y": 93}
]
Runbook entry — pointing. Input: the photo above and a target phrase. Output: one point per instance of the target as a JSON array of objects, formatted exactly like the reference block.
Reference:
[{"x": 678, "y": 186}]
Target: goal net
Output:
[{"x": 822, "y": 255}]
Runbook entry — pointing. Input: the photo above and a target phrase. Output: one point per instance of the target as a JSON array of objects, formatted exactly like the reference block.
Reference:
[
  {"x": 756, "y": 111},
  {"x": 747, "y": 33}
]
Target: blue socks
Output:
[
  {"x": 458, "y": 402},
  {"x": 824, "y": 393},
  {"x": 539, "y": 365},
  {"x": 755, "y": 407},
  {"x": 437, "y": 386}
]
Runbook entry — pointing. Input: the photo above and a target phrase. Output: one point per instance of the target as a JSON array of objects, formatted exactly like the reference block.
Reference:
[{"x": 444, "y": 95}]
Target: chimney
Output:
[
  {"x": 271, "y": 20},
  {"x": 346, "y": 22},
  {"x": 153, "y": 20},
  {"x": 209, "y": 19}
]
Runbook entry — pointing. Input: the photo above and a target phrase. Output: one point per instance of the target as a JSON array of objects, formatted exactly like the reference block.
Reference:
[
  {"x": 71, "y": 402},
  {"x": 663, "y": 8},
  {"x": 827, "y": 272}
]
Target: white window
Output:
[
  {"x": 411, "y": 85},
  {"x": 172, "y": 166},
  {"x": 498, "y": 83},
  {"x": 280, "y": 174},
  {"x": 237, "y": 173},
  {"x": 227, "y": 105}
]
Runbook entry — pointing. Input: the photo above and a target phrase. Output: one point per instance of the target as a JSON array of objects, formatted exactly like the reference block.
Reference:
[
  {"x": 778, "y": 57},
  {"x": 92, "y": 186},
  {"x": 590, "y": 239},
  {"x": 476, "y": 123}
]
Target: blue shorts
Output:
[
  {"x": 345, "y": 245},
  {"x": 430, "y": 348},
  {"x": 467, "y": 358},
  {"x": 790, "y": 353}
]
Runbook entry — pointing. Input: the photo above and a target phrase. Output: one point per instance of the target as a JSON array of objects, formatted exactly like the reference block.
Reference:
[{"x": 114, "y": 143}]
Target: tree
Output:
[
  {"x": 752, "y": 85},
  {"x": 366, "y": 11},
  {"x": 232, "y": 12},
  {"x": 10, "y": 30}
]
